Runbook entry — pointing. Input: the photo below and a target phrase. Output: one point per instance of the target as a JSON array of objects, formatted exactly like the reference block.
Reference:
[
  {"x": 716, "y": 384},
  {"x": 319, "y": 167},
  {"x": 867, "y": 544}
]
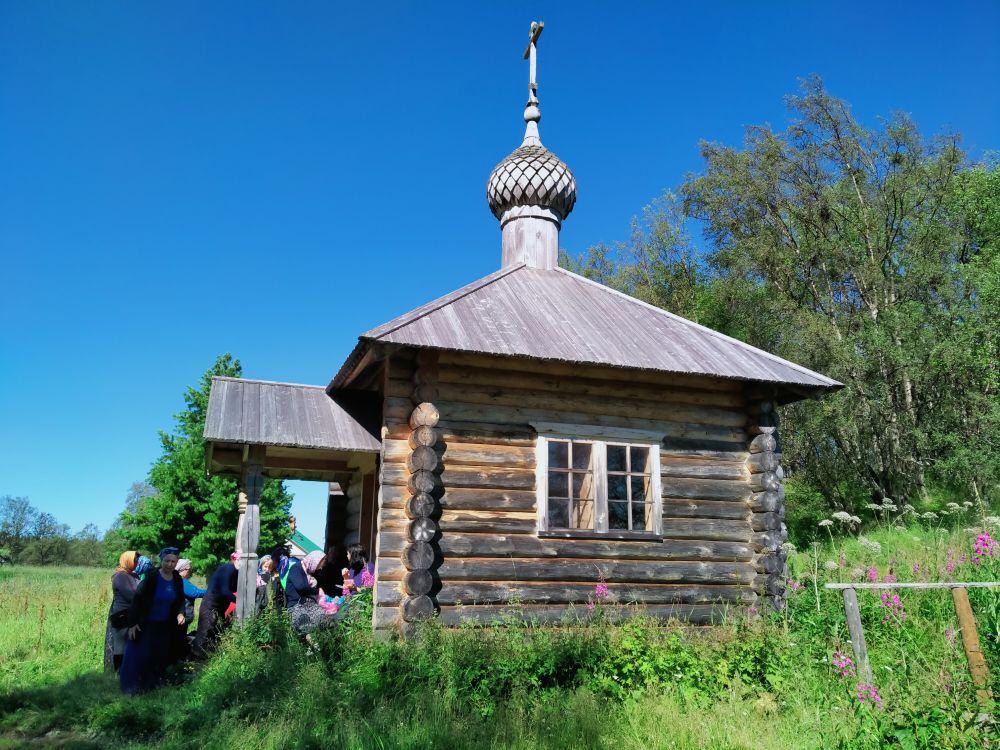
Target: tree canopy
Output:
[
  {"x": 188, "y": 509},
  {"x": 870, "y": 255}
]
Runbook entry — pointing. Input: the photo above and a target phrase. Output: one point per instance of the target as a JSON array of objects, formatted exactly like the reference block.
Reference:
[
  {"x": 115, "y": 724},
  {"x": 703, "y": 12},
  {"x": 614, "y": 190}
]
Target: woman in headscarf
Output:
[
  {"x": 155, "y": 627},
  {"x": 191, "y": 592},
  {"x": 301, "y": 591},
  {"x": 123, "y": 583},
  {"x": 265, "y": 572},
  {"x": 212, "y": 614}
]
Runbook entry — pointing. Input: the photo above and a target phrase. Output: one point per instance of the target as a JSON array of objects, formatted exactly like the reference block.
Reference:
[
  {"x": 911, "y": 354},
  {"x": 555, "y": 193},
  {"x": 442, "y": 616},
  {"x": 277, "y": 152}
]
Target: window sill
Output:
[{"x": 618, "y": 536}]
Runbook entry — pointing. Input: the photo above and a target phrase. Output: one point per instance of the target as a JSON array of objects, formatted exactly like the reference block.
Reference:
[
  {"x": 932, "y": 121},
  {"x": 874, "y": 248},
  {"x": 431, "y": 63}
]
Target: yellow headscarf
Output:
[{"x": 126, "y": 562}]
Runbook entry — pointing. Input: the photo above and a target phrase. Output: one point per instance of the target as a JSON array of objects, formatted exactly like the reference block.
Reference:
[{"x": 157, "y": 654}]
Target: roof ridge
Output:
[
  {"x": 266, "y": 382},
  {"x": 700, "y": 327},
  {"x": 443, "y": 301}
]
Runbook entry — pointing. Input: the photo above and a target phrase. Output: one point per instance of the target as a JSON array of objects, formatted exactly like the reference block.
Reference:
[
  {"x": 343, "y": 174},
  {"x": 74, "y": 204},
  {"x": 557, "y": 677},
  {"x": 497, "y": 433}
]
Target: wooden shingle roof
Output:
[{"x": 558, "y": 315}]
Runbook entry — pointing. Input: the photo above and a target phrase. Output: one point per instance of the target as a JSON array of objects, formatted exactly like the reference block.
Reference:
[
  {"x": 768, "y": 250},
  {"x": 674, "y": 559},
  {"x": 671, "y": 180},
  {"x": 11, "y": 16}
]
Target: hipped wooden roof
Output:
[
  {"x": 558, "y": 315},
  {"x": 256, "y": 412}
]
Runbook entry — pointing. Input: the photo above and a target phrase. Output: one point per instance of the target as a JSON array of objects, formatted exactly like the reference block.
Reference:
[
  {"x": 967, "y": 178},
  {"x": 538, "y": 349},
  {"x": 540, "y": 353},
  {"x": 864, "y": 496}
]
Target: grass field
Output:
[{"x": 766, "y": 683}]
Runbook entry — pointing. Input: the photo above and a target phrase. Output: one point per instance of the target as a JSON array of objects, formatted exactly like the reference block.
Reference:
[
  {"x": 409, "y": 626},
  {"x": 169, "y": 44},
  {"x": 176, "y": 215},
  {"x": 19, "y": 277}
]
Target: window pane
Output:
[
  {"x": 618, "y": 516},
  {"x": 558, "y": 454},
  {"x": 617, "y": 487},
  {"x": 581, "y": 455},
  {"x": 640, "y": 488},
  {"x": 583, "y": 486},
  {"x": 639, "y": 516},
  {"x": 616, "y": 457},
  {"x": 640, "y": 459},
  {"x": 558, "y": 484},
  {"x": 558, "y": 514},
  {"x": 583, "y": 515}
]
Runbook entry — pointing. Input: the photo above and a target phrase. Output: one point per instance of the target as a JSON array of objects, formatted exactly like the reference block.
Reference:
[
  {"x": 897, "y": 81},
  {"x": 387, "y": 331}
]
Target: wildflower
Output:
[
  {"x": 962, "y": 559},
  {"x": 869, "y": 694},
  {"x": 794, "y": 585},
  {"x": 855, "y": 520},
  {"x": 889, "y": 578},
  {"x": 842, "y": 664},
  {"x": 872, "y": 574},
  {"x": 825, "y": 522},
  {"x": 984, "y": 546},
  {"x": 993, "y": 521},
  {"x": 870, "y": 545},
  {"x": 949, "y": 635},
  {"x": 831, "y": 565},
  {"x": 950, "y": 566},
  {"x": 788, "y": 548},
  {"x": 601, "y": 590},
  {"x": 916, "y": 569},
  {"x": 893, "y": 607},
  {"x": 857, "y": 573},
  {"x": 966, "y": 505},
  {"x": 873, "y": 506},
  {"x": 842, "y": 516},
  {"x": 930, "y": 515},
  {"x": 909, "y": 508},
  {"x": 752, "y": 611},
  {"x": 954, "y": 507}
]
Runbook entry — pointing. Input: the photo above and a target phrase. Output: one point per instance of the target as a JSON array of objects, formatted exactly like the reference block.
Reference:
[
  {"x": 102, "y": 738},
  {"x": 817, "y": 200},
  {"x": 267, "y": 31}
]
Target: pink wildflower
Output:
[
  {"x": 601, "y": 590},
  {"x": 984, "y": 546},
  {"x": 869, "y": 694},
  {"x": 873, "y": 574},
  {"x": 842, "y": 664},
  {"x": 367, "y": 579},
  {"x": 963, "y": 558},
  {"x": 916, "y": 569},
  {"x": 752, "y": 611},
  {"x": 949, "y": 635},
  {"x": 794, "y": 585},
  {"x": 890, "y": 578},
  {"x": 893, "y": 607},
  {"x": 951, "y": 566}
]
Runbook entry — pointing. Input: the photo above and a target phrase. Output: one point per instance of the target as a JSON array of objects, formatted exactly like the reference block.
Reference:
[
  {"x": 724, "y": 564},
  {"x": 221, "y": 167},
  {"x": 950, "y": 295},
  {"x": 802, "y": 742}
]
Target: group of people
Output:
[{"x": 152, "y": 607}]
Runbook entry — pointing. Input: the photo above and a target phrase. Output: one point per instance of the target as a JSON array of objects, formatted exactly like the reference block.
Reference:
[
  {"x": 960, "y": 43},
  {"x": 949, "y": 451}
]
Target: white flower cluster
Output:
[
  {"x": 825, "y": 522},
  {"x": 831, "y": 565},
  {"x": 788, "y": 548},
  {"x": 842, "y": 516},
  {"x": 870, "y": 545},
  {"x": 929, "y": 515}
]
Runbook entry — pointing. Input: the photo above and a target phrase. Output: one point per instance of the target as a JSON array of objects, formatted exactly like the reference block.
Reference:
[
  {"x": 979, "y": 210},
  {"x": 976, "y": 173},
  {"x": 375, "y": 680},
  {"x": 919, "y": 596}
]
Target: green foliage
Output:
[{"x": 190, "y": 510}]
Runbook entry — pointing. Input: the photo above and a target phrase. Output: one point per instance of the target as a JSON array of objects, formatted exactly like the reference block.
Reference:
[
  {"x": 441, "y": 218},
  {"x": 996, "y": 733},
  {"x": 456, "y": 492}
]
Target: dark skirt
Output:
[
  {"x": 147, "y": 657},
  {"x": 211, "y": 621},
  {"x": 308, "y": 616}
]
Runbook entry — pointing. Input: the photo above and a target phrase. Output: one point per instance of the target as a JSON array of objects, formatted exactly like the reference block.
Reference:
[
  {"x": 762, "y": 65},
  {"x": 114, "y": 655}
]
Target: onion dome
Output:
[{"x": 531, "y": 176}]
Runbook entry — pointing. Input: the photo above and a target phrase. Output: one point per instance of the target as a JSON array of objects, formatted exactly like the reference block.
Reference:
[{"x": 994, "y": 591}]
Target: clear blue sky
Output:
[{"x": 183, "y": 179}]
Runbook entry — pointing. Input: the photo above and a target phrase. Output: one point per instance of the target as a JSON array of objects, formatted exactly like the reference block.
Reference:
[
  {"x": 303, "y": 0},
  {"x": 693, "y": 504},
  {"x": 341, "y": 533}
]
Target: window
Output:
[{"x": 607, "y": 485}]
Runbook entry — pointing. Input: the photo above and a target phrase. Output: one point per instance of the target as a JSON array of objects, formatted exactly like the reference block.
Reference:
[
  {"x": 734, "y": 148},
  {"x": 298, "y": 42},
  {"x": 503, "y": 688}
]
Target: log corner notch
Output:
[
  {"x": 767, "y": 501},
  {"x": 423, "y": 467}
]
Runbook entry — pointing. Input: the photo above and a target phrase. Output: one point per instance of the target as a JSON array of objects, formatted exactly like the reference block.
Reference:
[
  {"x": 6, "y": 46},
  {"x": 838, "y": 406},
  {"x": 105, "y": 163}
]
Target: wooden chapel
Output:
[{"x": 530, "y": 434}]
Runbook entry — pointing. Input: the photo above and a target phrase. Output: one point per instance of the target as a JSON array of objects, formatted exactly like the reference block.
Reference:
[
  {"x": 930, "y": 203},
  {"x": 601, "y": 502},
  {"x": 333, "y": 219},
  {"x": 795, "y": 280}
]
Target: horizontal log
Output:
[
  {"x": 492, "y": 432},
  {"x": 424, "y": 414},
  {"x": 686, "y": 508},
  {"x": 425, "y": 393},
  {"x": 767, "y": 481},
  {"x": 488, "y": 592},
  {"x": 763, "y": 443},
  {"x": 418, "y": 582},
  {"x": 734, "y": 450},
  {"x": 714, "y": 529},
  {"x": 386, "y": 618},
  {"x": 758, "y": 463},
  {"x": 525, "y": 545},
  {"x": 417, "y": 608},
  {"x": 422, "y": 458},
  {"x": 500, "y": 525},
  {"x": 706, "y": 489},
  {"x": 466, "y": 454},
  {"x": 416, "y": 555},
  {"x": 673, "y": 467},
  {"x": 663, "y": 408},
  {"x": 401, "y": 366},
  {"x": 458, "y": 412},
  {"x": 593, "y": 372},
  {"x": 582, "y": 386},
  {"x": 765, "y": 521},
  {"x": 458, "y": 498},
  {"x": 514, "y": 570},
  {"x": 695, "y": 614},
  {"x": 765, "y": 502},
  {"x": 421, "y": 436},
  {"x": 465, "y": 476}
]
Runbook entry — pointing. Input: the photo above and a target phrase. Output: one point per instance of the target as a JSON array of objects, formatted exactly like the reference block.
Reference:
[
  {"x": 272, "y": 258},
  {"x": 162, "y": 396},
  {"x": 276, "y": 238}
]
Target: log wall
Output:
[{"x": 458, "y": 518}]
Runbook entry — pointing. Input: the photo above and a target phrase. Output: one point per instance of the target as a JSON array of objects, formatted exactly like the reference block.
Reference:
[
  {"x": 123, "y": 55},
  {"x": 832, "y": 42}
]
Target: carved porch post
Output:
[{"x": 249, "y": 533}]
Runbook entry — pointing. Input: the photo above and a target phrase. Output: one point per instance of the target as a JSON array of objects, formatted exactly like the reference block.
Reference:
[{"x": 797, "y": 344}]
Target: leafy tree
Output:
[
  {"x": 17, "y": 521},
  {"x": 190, "y": 510}
]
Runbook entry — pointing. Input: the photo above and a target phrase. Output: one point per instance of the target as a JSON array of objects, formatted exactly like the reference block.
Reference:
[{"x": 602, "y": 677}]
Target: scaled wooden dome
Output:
[{"x": 531, "y": 176}]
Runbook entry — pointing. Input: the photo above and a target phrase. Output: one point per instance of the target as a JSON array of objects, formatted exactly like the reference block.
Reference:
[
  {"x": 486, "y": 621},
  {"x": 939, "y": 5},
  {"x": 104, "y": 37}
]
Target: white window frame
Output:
[{"x": 599, "y": 437}]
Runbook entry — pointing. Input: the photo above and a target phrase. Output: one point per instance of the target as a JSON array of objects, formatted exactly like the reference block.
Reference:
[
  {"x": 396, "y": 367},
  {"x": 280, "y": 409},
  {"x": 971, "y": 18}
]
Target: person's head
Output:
[
  {"x": 234, "y": 557},
  {"x": 168, "y": 559},
  {"x": 127, "y": 561},
  {"x": 184, "y": 567},
  {"x": 313, "y": 561},
  {"x": 357, "y": 557},
  {"x": 266, "y": 564},
  {"x": 143, "y": 565}
]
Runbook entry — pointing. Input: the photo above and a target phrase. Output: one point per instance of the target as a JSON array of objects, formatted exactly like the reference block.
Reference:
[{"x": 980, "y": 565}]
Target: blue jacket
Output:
[{"x": 297, "y": 586}]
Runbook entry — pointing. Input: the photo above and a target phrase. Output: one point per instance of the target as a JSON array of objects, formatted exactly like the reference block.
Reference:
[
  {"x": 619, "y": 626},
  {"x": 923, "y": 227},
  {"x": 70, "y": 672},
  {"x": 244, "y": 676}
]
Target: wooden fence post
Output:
[
  {"x": 857, "y": 635},
  {"x": 970, "y": 640}
]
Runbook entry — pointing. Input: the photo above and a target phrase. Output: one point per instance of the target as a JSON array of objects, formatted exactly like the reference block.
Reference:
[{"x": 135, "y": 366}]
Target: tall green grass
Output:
[{"x": 763, "y": 683}]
